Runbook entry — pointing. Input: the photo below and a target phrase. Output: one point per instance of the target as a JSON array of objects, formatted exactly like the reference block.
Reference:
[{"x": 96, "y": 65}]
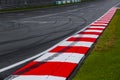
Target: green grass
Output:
[
  {"x": 26, "y": 8},
  {"x": 103, "y": 63},
  {"x": 34, "y": 7}
]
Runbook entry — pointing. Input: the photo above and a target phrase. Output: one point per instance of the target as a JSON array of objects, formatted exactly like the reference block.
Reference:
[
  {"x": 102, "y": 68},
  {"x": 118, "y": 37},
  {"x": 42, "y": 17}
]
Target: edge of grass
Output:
[
  {"x": 103, "y": 61},
  {"x": 26, "y": 8}
]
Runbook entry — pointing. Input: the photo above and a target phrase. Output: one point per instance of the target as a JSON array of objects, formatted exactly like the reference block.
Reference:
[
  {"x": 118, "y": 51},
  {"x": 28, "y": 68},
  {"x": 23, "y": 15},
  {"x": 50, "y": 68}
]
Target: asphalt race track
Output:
[{"x": 25, "y": 34}]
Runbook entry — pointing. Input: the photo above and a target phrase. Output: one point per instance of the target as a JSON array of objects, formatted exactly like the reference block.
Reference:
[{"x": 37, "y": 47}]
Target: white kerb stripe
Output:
[
  {"x": 85, "y": 35},
  {"x": 101, "y": 27},
  {"x": 34, "y": 77},
  {"x": 75, "y": 58},
  {"x": 93, "y": 31},
  {"x": 76, "y": 43},
  {"x": 99, "y": 23},
  {"x": 61, "y": 57},
  {"x": 56, "y": 78},
  {"x": 102, "y": 21}
]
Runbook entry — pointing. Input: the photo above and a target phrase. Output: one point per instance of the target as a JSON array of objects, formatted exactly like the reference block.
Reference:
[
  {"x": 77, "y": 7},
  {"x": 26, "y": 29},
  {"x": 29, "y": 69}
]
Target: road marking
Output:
[
  {"x": 94, "y": 31},
  {"x": 86, "y": 35},
  {"x": 97, "y": 27},
  {"x": 70, "y": 49},
  {"x": 82, "y": 39},
  {"x": 26, "y": 60},
  {"x": 58, "y": 69},
  {"x": 60, "y": 57},
  {"x": 34, "y": 57},
  {"x": 79, "y": 43},
  {"x": 32, "y": 77}
]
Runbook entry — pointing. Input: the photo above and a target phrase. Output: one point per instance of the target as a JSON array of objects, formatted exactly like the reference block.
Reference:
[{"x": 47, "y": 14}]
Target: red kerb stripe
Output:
[
  {"x": 82, "y": 39},
  {"x": 62, "y": 69},
  {"x": 94, "y": 29},
  {"x": 96, "y": 33},
  {"x": 98, "y": 25},
  {"x": 72, "y": 49}
]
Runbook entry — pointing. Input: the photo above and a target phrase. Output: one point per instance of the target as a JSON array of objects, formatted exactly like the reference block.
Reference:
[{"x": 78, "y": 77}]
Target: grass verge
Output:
[
  {"x": 34, "y": 7},
  {"x": 104, "y": 61},
  {"x": 26, "y": 8},
  {"x": 38, "y": 7}
]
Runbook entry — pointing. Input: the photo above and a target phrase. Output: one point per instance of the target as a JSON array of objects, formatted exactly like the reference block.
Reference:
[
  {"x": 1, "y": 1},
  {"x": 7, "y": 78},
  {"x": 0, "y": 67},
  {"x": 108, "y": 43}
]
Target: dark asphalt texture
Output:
[{"x": 27, "y": 33}]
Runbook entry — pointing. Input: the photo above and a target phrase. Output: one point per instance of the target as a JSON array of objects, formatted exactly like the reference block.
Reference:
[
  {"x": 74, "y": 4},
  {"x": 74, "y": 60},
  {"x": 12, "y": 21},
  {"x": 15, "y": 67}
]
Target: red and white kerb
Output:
[{"x": 59, "y": 62}]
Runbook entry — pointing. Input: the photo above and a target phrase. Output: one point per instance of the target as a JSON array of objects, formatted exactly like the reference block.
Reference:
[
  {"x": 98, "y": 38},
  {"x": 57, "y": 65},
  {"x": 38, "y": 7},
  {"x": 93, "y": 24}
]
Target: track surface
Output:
[{"x": 28, "y": 33}]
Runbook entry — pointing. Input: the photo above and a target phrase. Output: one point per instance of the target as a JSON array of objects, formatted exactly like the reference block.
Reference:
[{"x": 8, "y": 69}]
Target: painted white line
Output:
[
  {"x": 106, "y": 22},
  {"x": 98, "y": 24},
  {"x": 94, "y": 31},
  {"x": 31, "y": 58},
  {"x": 34, "y": 77},
  {"x": 19, "y": 63},
  {"x": 86, "y": 35},
  {"x": 75, "y": 58},
  {"x": 73, "y": 43},
  {"x": 61, "y": 57},
  {"x": 36, "y": 56},
  {"x": 117, "y": 4},
  {"x": 101, "y": 27}
]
